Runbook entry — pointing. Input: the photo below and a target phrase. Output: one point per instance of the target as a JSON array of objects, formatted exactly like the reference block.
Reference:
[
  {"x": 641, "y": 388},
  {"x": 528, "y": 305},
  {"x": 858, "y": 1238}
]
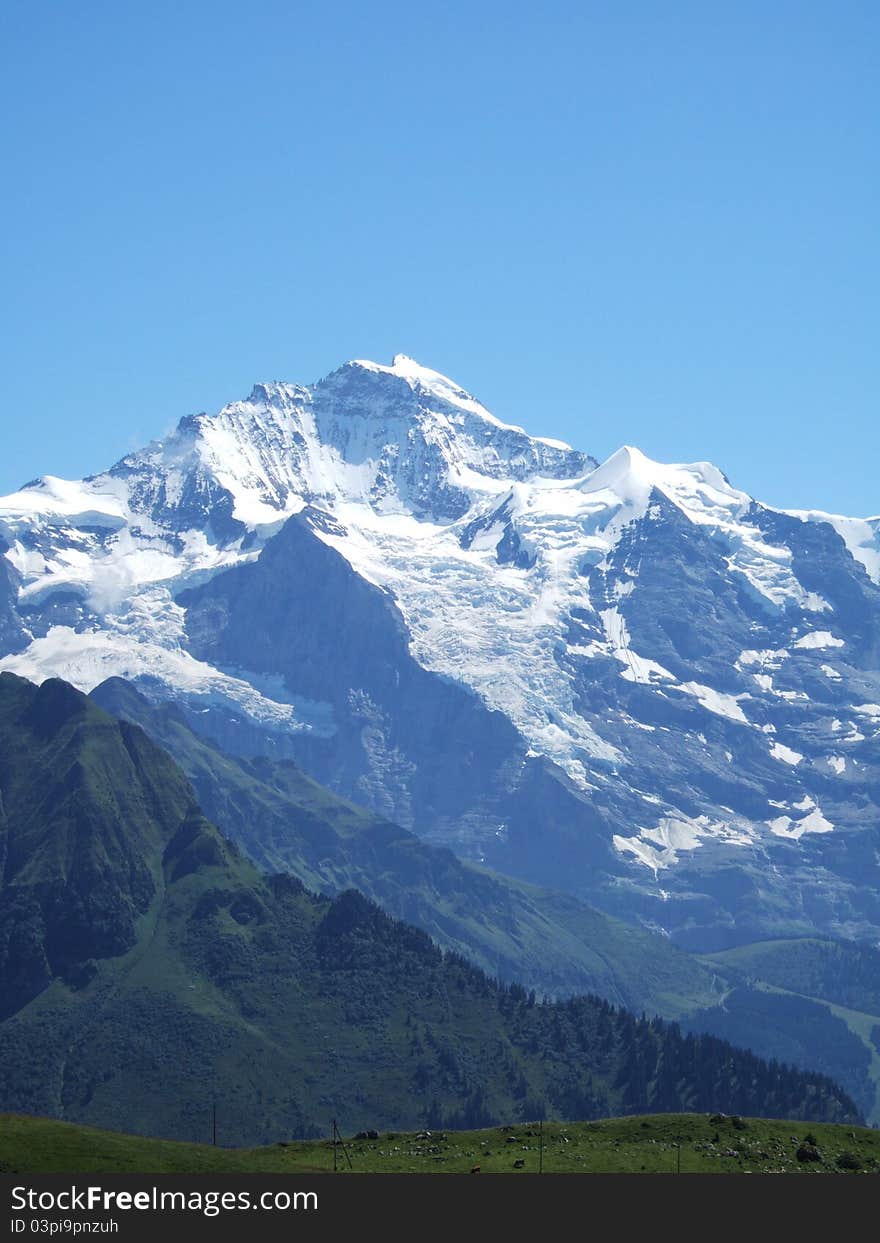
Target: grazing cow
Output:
[
  {"x": 475, "y": 1169},
  {"x": 518, "y": 1165}
]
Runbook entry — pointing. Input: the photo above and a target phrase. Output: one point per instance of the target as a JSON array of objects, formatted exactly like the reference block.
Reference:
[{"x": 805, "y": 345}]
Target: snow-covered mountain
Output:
[{"x": 629, "y": 680}]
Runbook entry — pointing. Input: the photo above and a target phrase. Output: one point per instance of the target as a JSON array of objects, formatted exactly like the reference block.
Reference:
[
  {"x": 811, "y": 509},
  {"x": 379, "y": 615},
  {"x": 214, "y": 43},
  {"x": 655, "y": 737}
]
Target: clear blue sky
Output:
[{"x": 627, "y": 221}]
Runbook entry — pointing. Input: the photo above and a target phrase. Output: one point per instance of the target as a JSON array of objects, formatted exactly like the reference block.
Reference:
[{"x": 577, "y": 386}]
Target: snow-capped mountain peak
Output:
[
  {"x": 401, "y": 438},
  {"x": 699, "y": 489},
  {"x": 426, "y": 381},
  {"x": 698, "y": 670},
  {"x": 434, "y": 386}
]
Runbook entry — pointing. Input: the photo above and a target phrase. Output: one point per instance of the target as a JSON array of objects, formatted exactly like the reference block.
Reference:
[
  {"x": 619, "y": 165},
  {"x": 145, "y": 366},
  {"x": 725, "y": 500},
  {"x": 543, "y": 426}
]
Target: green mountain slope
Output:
[
  {"x": 550, "y": 941},
  {"x": 153, "y": 970},
  {"x": 84, "y": 805},
  {"x": 846, "y": 973},
  {"x": 285, "y": 821},
  {"x": 818, "y": 1003}
]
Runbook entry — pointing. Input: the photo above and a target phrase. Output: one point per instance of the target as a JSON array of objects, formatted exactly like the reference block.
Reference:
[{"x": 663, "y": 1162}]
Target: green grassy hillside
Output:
[{"x": 655, "y": 1144}]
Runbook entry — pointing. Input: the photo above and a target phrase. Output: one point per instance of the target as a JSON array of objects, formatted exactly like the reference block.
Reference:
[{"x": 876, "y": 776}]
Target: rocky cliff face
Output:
[
  {"x": 13, "y": 636},
  {"x": 632, "y": 681}
]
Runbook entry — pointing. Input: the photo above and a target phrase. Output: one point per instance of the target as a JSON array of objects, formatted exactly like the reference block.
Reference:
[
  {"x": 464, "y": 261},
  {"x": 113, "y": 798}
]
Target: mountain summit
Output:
[
  {"x": 400, "y": 439},
  {"x": 632, "y": 681}
]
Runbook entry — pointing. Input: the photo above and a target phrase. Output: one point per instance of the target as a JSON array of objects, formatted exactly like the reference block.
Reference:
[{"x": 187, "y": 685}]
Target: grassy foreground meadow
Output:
[{"x": 655, "y": 1144}]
